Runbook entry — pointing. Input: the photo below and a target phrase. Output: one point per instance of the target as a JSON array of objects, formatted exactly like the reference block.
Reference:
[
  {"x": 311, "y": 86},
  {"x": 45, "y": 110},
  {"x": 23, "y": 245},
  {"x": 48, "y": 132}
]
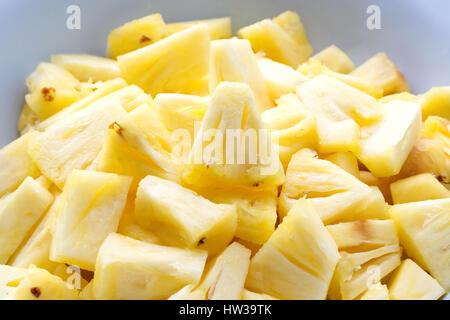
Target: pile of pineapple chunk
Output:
[{"x": 112, "y": 181}]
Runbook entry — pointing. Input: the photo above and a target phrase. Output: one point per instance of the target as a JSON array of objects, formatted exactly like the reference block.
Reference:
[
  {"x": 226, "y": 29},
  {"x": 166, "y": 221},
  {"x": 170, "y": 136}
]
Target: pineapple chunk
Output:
[
  {"x": 298, "y": 260},
  {"x": 335, "y": 193},
  {"x": 233, "y": 60},
  {"x": 249, "y": 295},
  {"x": 74, "y": 141},
  {"x": 188, "y": 293},
  {"x": 346, "y": 161},
  {"x": 376, "y": 292},
  {"x": 383, "y": 184},
  {"x": 51, "y": 89},
  {"x": 136, "y": 34},
  {"x": 180, "y": 217},
  {"x": 335, "y": 59},
  {"x": 424, "y": 229},
  {"x": 89, "y": 198},
  {"x": 369, "y": 251},
  {"x": 19, "y": 211},
  {"x": 339, "y": 110},
  {"x": 280, "y": 79},
  {"x": 282, "y": 39},
  {"x": 226, "y": 274},
  {"x": 132, "y": 269},
  {"x": 382, "y": 72},
  {"x": 33, "y": 284},
  {"x": 411, "y": 282},
  {"x": 232, "y": 122},
  {"x": 418, "y": 188},
  {"x": 218, "y": 28},
  {"x": 385, "y": 145},
  {"x": 292, "y": 127},
  {"x": 16, "y": 164},
  {"x": 404, "y": 96},
  {"x": 87, "y": 67},
  {"x": 175, "y": 64},
  {"x": 436, "y": 102},
  {"x": 27, "y": 121}
]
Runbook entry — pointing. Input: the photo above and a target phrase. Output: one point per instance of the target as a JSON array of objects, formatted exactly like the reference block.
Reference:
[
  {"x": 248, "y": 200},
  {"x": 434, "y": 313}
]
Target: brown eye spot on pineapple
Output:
[
  {"x": 144, "y": 38},
  {"x": 36, "y": 291},
  {"x": 48, "y": 93},
  {"x": 116, "y": 127},
  {"x": 201, "y": 241}
]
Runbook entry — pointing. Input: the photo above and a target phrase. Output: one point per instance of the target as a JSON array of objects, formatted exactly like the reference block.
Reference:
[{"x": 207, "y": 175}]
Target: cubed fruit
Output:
[
  {"x": 280, "y": 79},
  {"x": 174, "y": 64},
  {"x": 386, "y": 144},
  {"x": 74, "y": 141},
  {"x": 16, "y": 164},
  {"x": 51, "y": 89},
  {"x": 282, "y": 39},
  {"x": 436, "y": 102},
  {"x": 27, "y": 121},
  {"x": 89, "y": 197},
  {"x": 33, "y": 284},
  {"x": 86, "y": 67},
  {"x": 232, "y": 147},
  {"x": 218, "y": 28},
  {"x": 339, "y": 110},
  {"x": 298, "y": 260},
  {"x": 335, "y": 59},
  {"x": 382, "y": 72},
  {"x": 292, "y": 127},
  {"x": 424, "y": 229},
  {"x": 418, "y": 188},
  {"x": 181, "y": 217},
  {"x": 377, "y": 291},
  {"x": 136, "y": 34},
  {"x": 233, "y": 60},
  {"x": 336, "y": 194},
  {"x": 249, "y": 295},
  {"x": 226, "y": 274},
  {"x": 369, "y": 251},
  {"x": 411, "y": 282},
  {"x": 131, "y": 269},
  {"x": 346, "y": 161}
]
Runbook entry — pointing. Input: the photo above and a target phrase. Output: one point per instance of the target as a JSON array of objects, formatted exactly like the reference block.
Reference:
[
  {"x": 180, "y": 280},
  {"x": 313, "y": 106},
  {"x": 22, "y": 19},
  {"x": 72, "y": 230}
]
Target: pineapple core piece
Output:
[
  {"x": 218, "y": 28},
  {"x": 340, "y": 110},
  {"x": 132, "y": 269},
  {"x": 175, "y": 64},
  {"x": 369, "y": 251},
  {"x": 381, "y": 71},
  {"x": 74, "y": 141},
  {"x": 385, "y": 145},
  {"x": 19, "y": 211},
  {"x": 89, "y": 197},
  {"x": 33, "y": 284},
  {"x": 233, "y": 60},
  {"x": 418, "y": 188},
  {"x": 282, "y": 39},
  {"x": 180, "y": 217},
  {"x": 411, "y": 282},
  {"x": 233, "y": 148},
  {"x": 335, "y": 59},
  {"x": 298, "y": 260},
  {"x": 424, "y": 229},
  {"x": 436, "y": 102},
  {"x": 86, "y": 67},
  {"x": 136, "y": 34}
]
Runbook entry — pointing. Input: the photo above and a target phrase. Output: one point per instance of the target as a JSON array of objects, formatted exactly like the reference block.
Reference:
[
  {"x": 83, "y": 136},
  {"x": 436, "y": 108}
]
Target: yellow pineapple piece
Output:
[
  {"x": 383, "y": 184},
  {"x": 418, "y": 188},
  {"x": 385, "y": 145},
  {"x": 16, "y": 164},
  {"x": 249, "y": 295},
  {"x": 87, "y": 293},
  {"x": 298, "y": 260},
  {"x": 74, "y": 141},
  {"x": 340, "y": 110},
  {"x": 132, "y": 269},
  {"x": 404, "y": 96},
  {"x": 86, "y": 67},
  {"x": 377, "y": 291},
  {"x": 188, "y": 293},
  {"x": 282, "y": 39},
  {"x": 233, "y": 60},
  {"x": 27, "y": 121},
  {"x": 411, "y": 282},
  {"x": 345, "y": 160},
  {"x": 180, "y": 217},
  {"x": 382, "y": 72},
  {"x": 136, "y": 34},
  {"x": 89, "y": 197},
  {"x": 436, "y": 102},
  {"x": 175, "y": 64},
  {"x": 19, "y": 211},
  {"x": 33, "y": 284},
  {"x": 335, "y": 59},
  {"x": 218, "y": 28},
  {"x": 424, "y": 229},
  {"x": 369, "y": 251}
]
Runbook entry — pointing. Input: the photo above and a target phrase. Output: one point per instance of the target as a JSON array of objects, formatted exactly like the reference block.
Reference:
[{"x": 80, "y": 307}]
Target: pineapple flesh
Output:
[
  {"x": 27, "y": 121},
  {"x": 436, "y": 102},
  {"x": 377, "y": 291},
  {"x": 335, "y": 59},
  {"x": 418, "y": 188},
  {"x": 218, "y": 28},
  {"x": 346, "y": 161}
]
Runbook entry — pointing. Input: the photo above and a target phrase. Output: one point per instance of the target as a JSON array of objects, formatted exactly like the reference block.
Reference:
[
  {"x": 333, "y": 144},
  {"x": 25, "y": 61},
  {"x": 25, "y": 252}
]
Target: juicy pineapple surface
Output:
[
  {"x": 218, "y": 28},
  {"x": 418, "y": 188},
  {"x": 335, "y": 59}
]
